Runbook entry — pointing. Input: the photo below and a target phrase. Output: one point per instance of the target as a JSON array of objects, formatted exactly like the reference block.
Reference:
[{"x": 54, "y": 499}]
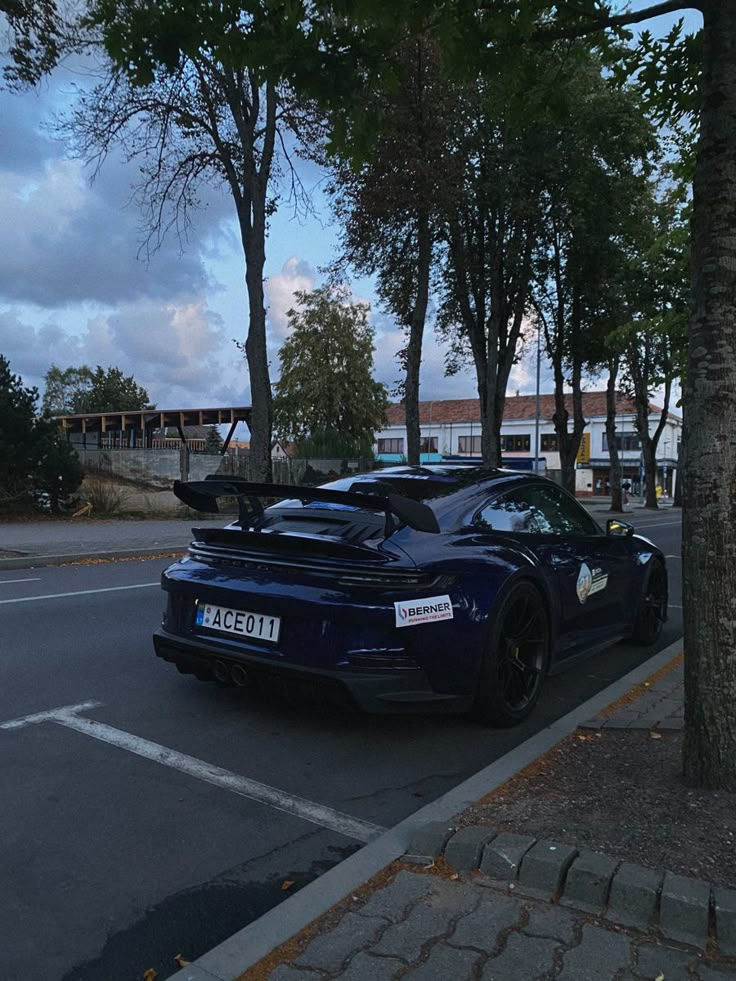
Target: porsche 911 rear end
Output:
[{"x": 315, "y": 594}]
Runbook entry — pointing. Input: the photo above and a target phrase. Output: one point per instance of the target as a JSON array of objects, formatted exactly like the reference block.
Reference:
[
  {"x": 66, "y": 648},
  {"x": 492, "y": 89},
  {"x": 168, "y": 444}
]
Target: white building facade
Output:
[{"x": 451, "y": 428}]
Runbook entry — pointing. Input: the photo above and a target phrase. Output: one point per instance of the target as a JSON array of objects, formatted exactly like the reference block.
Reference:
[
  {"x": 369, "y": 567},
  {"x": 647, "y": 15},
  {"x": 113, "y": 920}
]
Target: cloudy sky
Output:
[{"x": 75, "y": 289}]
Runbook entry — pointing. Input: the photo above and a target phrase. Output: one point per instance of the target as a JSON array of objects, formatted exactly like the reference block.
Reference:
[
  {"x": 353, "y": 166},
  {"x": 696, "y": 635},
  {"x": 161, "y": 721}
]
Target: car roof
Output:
[{"x": 445, "y": 486}]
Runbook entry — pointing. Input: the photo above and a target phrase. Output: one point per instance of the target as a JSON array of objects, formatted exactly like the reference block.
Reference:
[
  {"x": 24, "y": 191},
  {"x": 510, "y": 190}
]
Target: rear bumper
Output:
[{"x": 372, "y": 691}]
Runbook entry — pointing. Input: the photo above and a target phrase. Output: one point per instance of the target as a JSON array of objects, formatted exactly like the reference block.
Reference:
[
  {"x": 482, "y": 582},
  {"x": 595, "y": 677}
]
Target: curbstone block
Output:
[
  {"x": 502, "y": 856},
  {"x": 465, "y": 847},
  {"x": 684, "y": 909},
  {"x": 634, "y": 894},
  {"x": 725, "y": 903},
  {"x": 588, "y": 881},
  {"x": 543, "y": 869},
  {"x": 427, "y": 843}
]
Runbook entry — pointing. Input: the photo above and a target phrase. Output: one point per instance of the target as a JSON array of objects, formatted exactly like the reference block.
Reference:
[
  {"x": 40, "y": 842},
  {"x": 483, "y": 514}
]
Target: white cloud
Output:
[{"x": 296, "y": 275}]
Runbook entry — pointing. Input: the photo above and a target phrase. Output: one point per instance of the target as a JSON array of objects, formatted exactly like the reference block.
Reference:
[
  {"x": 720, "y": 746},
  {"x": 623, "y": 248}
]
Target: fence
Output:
[{"x": 147, "y": 475}]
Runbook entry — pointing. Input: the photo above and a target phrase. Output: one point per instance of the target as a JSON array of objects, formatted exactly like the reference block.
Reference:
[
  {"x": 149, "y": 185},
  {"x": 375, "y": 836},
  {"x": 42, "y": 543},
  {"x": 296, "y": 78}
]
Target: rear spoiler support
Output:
[{"x": 202, "y": 495}]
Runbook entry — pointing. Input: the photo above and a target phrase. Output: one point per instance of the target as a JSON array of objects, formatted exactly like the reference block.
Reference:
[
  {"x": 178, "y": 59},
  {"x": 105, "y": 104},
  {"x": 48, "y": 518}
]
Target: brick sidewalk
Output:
[
  {"x": 433, "y": 928},
  {"x": 661, "y": 706}
]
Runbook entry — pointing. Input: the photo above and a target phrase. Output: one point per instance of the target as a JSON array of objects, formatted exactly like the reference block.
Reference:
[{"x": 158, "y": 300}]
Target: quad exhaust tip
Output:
[{"x": 239, "y": 676}]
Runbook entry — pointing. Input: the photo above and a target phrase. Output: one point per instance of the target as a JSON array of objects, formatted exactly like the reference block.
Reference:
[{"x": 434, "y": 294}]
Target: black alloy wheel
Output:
[
  {"x": 516, "y": 659},
  {"x": 652, "y": 611}
]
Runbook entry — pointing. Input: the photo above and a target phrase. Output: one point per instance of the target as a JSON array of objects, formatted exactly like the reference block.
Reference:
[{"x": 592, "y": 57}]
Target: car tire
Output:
[
  {"x": 652, "y": 611},
  {"x": 515, "y": 659}
]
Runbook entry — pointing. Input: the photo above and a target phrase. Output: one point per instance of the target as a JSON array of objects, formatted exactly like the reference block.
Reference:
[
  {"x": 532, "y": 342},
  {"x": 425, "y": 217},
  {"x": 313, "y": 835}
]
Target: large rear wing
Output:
[{"x": 202, "y": 495}]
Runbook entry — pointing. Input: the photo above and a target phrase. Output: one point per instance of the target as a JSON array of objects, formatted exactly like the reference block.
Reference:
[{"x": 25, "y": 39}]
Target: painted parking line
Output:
[
  {"x": 79, "y": 592},
  {"x": 4, "y": 582},
  {"x": 325, "y": 817}
]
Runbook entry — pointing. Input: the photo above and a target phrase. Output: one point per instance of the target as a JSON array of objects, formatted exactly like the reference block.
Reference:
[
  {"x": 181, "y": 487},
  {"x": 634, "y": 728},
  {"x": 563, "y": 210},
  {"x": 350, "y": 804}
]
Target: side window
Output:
[
  {"x": 571, "y": 518},
  {"x": 514, "y": 512},
  {"x": 536, "y": 510}
]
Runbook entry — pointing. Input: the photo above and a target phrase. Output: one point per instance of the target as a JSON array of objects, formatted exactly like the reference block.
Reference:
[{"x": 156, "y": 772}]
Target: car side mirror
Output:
[{"x": 618, "y": 528}]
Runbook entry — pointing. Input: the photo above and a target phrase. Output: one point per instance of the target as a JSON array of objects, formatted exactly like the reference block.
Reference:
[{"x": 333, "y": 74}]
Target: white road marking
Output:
[
  {"x": 4, "y": 582},
  {"x": 307, "y": 810},
  {"x": 79, "y": 592},
  {"x": 673, "y": 556},
  {"x": 52, "y": 715},
  {"x": 674, "y": 606},
  {"x": 656, "y": 524}
]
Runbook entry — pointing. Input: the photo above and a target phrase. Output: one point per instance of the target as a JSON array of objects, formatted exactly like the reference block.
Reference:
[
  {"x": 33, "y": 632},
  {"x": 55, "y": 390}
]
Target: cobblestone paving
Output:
[
  {"x": 661, "y": 707},
  {"x": 427, "y": 928}
]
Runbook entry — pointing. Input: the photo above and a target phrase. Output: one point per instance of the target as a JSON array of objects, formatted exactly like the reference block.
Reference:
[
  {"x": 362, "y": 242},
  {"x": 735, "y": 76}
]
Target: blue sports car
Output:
[{"x": 447, "y": 586}]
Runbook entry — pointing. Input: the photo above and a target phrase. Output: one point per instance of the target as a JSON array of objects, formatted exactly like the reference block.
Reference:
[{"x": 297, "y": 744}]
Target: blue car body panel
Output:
[{"x": 335, "y": 598}]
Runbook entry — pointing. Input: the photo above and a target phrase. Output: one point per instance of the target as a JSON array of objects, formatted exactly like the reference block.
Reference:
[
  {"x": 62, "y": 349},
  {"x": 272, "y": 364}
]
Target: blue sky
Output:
[{"x": 73, "y": 288}]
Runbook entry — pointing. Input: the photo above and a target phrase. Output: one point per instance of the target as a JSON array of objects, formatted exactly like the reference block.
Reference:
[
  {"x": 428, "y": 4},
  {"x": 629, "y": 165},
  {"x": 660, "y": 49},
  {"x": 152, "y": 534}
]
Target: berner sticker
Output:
[{"x": 433, "y": 608}]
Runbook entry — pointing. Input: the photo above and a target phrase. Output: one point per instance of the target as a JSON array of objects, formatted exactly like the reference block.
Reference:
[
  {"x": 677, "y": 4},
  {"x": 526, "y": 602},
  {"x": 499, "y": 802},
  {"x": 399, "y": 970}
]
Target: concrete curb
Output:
[
  {"x": 40, "y": 561},
  {"x": 248, "y": 946}
]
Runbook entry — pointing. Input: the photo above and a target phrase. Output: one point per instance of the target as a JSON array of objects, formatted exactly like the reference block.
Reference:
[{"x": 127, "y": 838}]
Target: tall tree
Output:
[
  {"x": 326, "y": 382},
  {"x": 492, "y": 229},
  {"x": 657, "y": 287},
  {"x": 599, "y": 153},
  {"x": 203, "y": 120},
  {"x": 75, "y": 390},
  {"x": 390, "y": 205}
]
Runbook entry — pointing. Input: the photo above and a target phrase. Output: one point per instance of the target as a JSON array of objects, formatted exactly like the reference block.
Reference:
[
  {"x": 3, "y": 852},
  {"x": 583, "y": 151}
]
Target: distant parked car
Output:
[{"x": 454, "y": 587}]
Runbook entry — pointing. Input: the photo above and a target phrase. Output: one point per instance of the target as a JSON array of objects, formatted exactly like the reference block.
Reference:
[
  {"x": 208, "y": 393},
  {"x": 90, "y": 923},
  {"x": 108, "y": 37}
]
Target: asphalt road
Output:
[{"x": 116, "y": 855}]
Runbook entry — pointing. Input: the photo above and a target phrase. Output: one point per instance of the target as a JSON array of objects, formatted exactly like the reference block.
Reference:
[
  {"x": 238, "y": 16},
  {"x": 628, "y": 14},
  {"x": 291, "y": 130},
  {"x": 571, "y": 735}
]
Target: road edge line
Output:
[{"x": 241, "y": 951}]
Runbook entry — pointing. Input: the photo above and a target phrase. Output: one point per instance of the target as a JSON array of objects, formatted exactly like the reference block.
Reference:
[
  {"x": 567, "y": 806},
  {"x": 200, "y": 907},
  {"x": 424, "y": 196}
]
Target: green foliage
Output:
[
  {"x": 18, "y": 432},
  {"x": 326, "y": 382},
  {"x": 58, "y": 473},
  {"x": 334, "y": 446},
  {"x": 214, "y": 442},
  {"x": 34, "y": 457},
  {"x": 72, "y": 391}
]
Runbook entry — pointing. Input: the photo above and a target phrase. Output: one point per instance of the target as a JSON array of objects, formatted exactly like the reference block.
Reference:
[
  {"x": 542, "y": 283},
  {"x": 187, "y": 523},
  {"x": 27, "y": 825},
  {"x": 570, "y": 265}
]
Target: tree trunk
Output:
[
  {"x": 568, "y": 456},
  {"x": 490, "y": 423},
  {"x": 615, "y": 460},
  {"x": 709, "y": 533},
  {"x": 414, "y": 347},
  {"x": 261, "y": 421},
  {"x": 649, "y": 455}
]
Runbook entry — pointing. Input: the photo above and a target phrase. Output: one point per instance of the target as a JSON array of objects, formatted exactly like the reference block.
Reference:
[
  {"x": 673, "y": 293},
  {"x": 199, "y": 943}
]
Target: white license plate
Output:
[{"x": 238, "y": 622}]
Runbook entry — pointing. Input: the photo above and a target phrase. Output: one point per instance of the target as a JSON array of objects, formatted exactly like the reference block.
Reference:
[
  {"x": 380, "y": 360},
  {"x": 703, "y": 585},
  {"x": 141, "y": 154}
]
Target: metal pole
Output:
[{"x": 536, "y": 425}]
